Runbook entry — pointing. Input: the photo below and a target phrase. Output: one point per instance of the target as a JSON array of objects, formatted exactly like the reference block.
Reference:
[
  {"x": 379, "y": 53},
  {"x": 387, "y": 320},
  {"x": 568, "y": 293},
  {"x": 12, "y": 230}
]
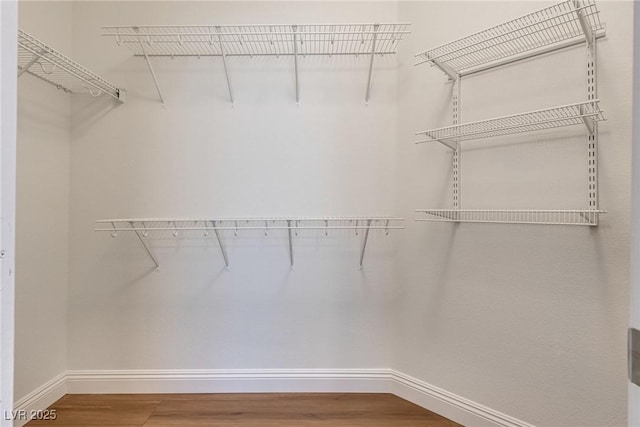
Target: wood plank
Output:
[{"x": 242, "y": 409}]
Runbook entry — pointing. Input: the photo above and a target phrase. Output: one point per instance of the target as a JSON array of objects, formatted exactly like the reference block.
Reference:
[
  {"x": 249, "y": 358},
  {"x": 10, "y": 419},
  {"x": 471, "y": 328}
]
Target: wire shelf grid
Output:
[
  {"x": 260, "y": 40},
  {"x": 566, "y": 115},
  {"x": 540, "y": 216},
  {"x": 545, "y": 27},
  {"x": 292, "y": 225},
  {"x": 42, "y": 61},
  {"x": 235, "y": 224}
]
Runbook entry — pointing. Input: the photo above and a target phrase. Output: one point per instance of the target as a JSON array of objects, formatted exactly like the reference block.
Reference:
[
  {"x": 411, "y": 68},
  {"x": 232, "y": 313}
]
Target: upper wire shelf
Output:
[
  {"x": 559, "y": 24},
  {"x": 257, "y": 40},
  {"x": 42, "y": 61},
  {"x": 567, "y": 115}
]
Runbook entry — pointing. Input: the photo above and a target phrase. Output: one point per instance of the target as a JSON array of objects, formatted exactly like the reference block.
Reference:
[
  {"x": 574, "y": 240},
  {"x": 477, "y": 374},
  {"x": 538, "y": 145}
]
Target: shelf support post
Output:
[
  {"x": 584, "y": 23},
  {"x": 457, "y": 151},
  {"x": 28, "y": 65},
  {"x": 364, "y": 242},
  {"x": 224, "y": 252},
  {"x": 290, "y": 243},
  {"x": 224, "y": 63},
  {"x": 592, "y": 132},
  {"x": 295, "y": 66},
  {"x": 153, "y": 74},
  {"x": 373, "y": 54},
  {"x": 145, "y": 246}
]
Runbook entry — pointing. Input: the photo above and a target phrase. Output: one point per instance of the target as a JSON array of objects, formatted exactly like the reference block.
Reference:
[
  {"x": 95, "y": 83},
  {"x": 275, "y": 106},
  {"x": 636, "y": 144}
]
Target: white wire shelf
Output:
[
  {"x": 371, "y": 39},
  {"x": 42, "y": 61},
  {"x": 293, "y": 225},
  {"x": 260, "y": 40},
  {"x": 567, "y": 115},
  {"x": 552, "y": 217},
  {"x": 554, "y": 27}
]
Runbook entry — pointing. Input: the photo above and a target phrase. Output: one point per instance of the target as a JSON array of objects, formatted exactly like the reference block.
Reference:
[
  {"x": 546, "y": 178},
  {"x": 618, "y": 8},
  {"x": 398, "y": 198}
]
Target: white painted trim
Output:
[
  {"x": 230, "y": 381},
  {"x": 42, "y": 397},
  {"x": 380, "y": 380},
  {"x": 452, "y": 406}
]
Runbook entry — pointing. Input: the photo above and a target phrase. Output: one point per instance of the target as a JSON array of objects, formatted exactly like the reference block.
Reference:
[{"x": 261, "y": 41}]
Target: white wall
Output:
[
  {"x": 332, "y": 155},
  {"x": 8, "y": 88},
  {"x": 528, "y": 320},
  {"x": 634, "y": 294},
  {"x": 44, "y": 136}
]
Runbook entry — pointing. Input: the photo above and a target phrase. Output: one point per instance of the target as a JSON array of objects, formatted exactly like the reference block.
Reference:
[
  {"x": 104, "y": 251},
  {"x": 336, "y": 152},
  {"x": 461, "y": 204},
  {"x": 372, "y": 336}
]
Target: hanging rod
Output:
[
  {"x": 142, "y": 226},
  {"x": 514, "y": 216},
  {"x": 565, "y": 24},
  {"x": 369, "y": 39},
  {"x": 42, "y": 61},
  {"x": 566, "y": 115}
]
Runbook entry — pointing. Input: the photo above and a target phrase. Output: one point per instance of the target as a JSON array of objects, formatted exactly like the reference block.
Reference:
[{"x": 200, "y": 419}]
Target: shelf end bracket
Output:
[
  {"x": 295, "y": 66},
  {"x": 290, "y": 243},
  {"x": 222, "y": 249},
  {"x": 145, "y": 246},
  {"x": 373, "y": 54},
  {"x": 153, "y": 74},
  {"x": 453, "y": 75},
  {"x": 28, "y": 65},
  {"x": 224, "y": 63},
  {"x": 364, "y": 242},
  {"x": 584, "y": 23}
]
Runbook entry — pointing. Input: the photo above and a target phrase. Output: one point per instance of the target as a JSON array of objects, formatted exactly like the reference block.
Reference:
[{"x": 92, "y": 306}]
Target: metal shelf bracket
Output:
[
  {"x": 145, "y": 245},
  {"x": 146, "y": 57}
]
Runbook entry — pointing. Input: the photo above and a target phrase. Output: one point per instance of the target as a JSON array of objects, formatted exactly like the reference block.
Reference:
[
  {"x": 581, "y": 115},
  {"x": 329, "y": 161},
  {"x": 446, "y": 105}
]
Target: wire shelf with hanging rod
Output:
[
  {"x": 259, "y": 40},
  {"x": 141, "y": 227},
  {"x": 296, "y": 40},
  {"x": 555, "y": 27},
  {"x": 40, "y": 60}
]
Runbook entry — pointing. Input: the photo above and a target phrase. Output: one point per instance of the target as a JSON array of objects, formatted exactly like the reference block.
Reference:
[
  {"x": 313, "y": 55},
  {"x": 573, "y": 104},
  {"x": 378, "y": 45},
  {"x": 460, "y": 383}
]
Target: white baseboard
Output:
[
  {"x": 449, "y": 405},
  {"x": 41, "y": 398},
  {"x": 456, "y": 408},
  {"x": 230, "y": 381}
]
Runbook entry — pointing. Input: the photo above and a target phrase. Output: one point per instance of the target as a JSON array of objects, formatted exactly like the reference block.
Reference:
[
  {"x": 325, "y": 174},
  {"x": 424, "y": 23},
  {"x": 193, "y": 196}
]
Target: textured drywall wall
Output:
[
  {"x": 528, "y": 320},
  {"x": 42, "y": 212},
  {"x": 332, "y": 155}
]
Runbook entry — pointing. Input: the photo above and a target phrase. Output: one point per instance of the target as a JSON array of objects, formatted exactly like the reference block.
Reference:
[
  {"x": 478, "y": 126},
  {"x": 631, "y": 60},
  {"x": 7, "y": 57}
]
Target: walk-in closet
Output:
[{"x": 345, "y": 213}]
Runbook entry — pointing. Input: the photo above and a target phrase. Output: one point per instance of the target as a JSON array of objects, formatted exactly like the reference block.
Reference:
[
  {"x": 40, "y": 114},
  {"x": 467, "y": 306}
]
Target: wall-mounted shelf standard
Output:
[
  {"x": 513, "y": 216},
  {"x": 565, "y": 24},
  {"x": 295, "y": 40},
  {"x": 42, "y": 61},
  {"x": 293, "y": 225},
  {"x": 567, "y": 115}
]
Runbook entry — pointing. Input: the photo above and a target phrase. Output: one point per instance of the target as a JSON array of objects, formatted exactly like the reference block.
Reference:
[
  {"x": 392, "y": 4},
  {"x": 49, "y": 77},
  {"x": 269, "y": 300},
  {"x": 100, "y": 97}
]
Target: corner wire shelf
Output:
[
  {"x": 42, "y": 61},
  {"x": 565, "y": 24},
  {"x": 295, "y": 40},
  {"x": 567, "y": 115},
  {"x": 142, "y": 226},
  {"x": 555, "y": 27},
  {"x": 514, "y": 216}
]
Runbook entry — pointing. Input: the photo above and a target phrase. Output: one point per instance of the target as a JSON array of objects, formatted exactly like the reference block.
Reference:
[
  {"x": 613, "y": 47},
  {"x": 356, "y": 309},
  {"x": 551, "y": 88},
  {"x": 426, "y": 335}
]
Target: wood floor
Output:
[{"x": 251, "y": 410}]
